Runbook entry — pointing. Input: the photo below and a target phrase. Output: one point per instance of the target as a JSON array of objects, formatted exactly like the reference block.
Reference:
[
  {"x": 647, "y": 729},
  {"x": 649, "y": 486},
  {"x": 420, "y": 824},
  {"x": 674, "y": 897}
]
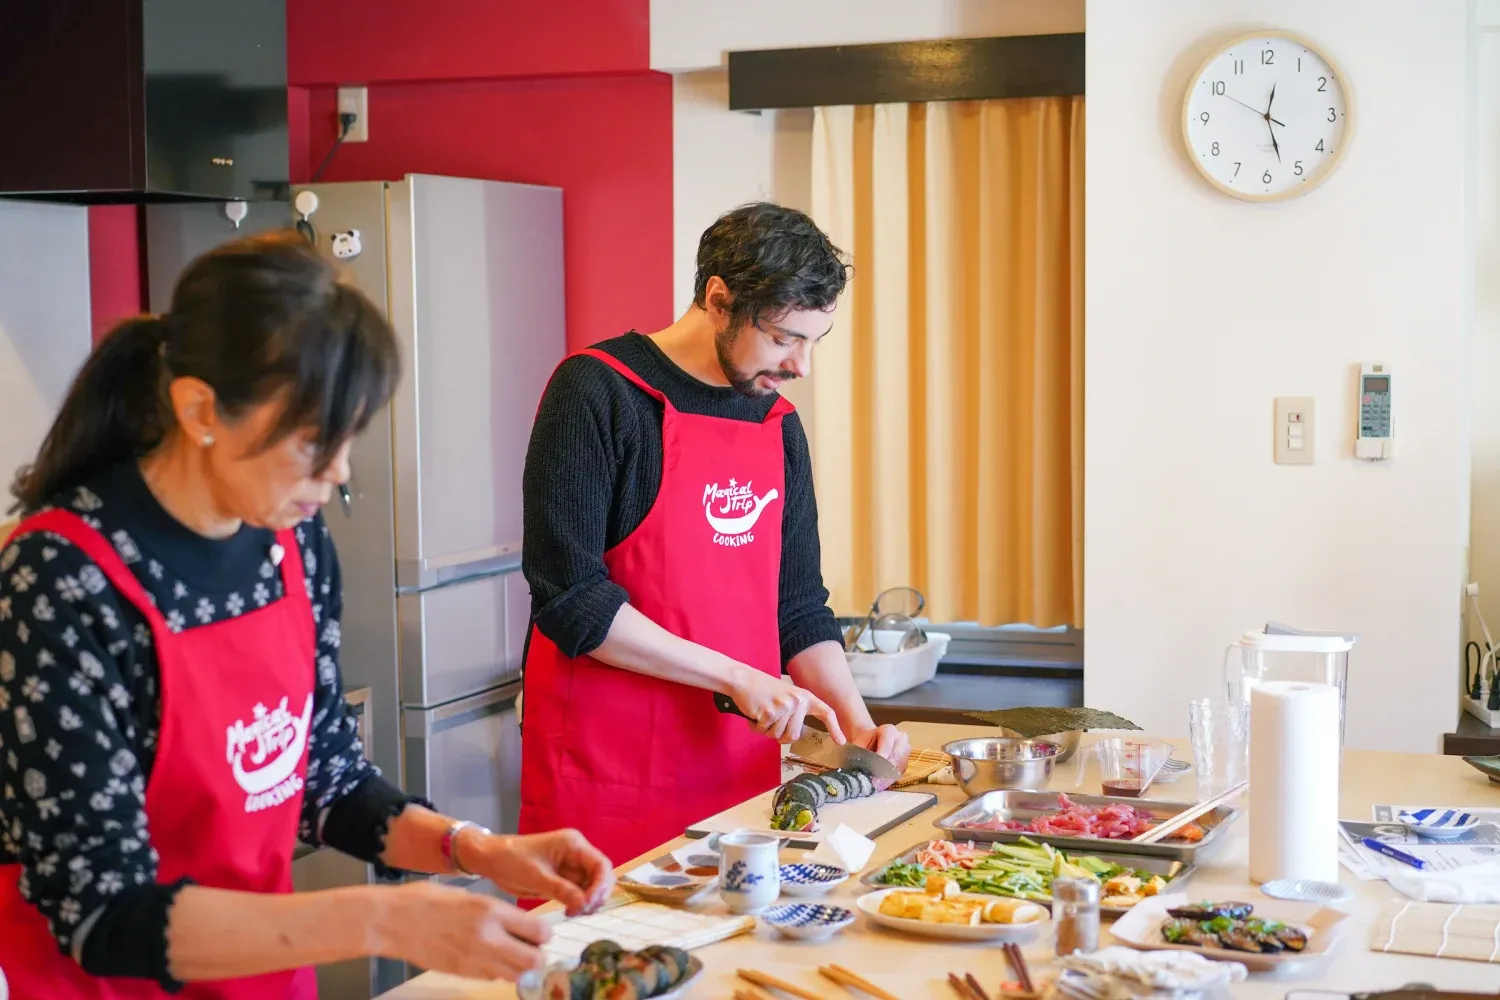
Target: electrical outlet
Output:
[{"x": 355, "y": 101}]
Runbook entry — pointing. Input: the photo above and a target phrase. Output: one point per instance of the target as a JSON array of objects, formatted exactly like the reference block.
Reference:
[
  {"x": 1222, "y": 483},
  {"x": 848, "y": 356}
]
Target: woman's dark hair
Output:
[
  {"x": 254, "y": 318},
  {"x": 772, "y": 259}
]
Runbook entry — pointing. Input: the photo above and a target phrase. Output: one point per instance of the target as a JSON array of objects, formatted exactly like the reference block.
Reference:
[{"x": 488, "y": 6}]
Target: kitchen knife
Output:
[{"x": 818, "y": 747}]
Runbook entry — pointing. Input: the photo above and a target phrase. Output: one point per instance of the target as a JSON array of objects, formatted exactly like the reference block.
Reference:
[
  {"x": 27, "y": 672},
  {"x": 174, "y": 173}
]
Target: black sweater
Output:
[
  {"x": 592, "y": 474},
  {"x": 80, "y": 712}
]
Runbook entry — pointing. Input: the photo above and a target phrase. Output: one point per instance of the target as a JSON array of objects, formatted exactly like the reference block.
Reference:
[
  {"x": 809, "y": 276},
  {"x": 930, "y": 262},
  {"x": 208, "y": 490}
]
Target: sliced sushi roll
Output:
[
  {"x": 601, "y": 950},
  {"x": 833, "y": 784},
  {"x": 647, "y": 968},
  {"x": 853, "y": 789},
  {"x": 866, "y": 783},
  {"x": 671, "y": 964},
  {"x": 812, "y": 784}
]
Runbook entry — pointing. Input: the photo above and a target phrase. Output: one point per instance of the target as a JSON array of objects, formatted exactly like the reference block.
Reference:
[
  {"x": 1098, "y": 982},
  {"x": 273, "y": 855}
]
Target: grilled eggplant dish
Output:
[{"x": 1231, "y": 926}]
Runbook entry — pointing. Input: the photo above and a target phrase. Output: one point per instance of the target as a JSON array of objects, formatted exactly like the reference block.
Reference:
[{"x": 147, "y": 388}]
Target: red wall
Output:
[
  {"x": 555, "y": 93},
  {"x": 606, "y": 141},
  {"x": 116, "y": 274}
]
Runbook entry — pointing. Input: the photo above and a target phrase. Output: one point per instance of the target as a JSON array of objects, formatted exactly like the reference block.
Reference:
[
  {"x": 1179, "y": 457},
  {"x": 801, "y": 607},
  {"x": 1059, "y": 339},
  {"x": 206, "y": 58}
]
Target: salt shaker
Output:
[{"x": 1075, "y": 914}]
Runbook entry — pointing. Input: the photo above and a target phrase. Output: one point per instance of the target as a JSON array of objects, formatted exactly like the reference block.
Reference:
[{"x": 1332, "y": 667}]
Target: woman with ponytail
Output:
[{"x": 171, "y": 713}]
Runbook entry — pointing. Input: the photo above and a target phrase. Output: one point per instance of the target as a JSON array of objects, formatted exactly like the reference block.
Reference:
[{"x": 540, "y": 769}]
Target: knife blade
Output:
[{"x": 819, "y": 747}]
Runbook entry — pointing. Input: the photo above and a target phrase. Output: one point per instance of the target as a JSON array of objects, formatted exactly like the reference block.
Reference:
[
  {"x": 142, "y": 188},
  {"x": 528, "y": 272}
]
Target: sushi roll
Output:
[
  {"x": 834, "y": 785},
  {"x": 629, "y": 984},
  {"x": 649, "y": 971},
  {"x": 812, "y": 784},
  {"x": 558, "y": 984},
  {"x": 671, "y": 963},
  {"x": 866, "y": 784},
  {"x": 600, "y": 951}
]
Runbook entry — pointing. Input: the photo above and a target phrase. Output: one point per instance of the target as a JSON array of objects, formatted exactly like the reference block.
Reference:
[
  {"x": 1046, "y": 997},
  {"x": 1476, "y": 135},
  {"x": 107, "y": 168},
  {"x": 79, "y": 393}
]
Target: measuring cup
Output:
[{"x": 1126, "y": 766}]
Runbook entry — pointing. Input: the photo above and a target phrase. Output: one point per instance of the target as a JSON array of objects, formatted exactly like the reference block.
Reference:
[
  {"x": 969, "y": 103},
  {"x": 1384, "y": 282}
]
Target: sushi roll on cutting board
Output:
[{"x": 796, "y": 805}]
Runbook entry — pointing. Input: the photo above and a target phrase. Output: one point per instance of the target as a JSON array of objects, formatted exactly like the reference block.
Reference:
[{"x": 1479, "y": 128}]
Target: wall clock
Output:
[{"x": 1267, "y": 116}]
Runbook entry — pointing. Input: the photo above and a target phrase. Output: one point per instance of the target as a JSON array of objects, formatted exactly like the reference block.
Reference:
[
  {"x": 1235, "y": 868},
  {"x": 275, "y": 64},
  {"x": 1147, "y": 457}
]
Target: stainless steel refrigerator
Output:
[{"x": 429, "y": 537}]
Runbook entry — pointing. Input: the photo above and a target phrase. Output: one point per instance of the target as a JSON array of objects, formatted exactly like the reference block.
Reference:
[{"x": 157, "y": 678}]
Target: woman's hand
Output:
[
  {"x": 559, "y": 865},
  {"x": 888, "y": 741},
  {"x": 452, "y": 930},
  {"x": 778, "y": 707}
]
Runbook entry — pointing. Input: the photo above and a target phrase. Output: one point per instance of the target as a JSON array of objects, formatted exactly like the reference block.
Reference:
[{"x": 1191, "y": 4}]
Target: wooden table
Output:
[{"x": 915, "y": 968}]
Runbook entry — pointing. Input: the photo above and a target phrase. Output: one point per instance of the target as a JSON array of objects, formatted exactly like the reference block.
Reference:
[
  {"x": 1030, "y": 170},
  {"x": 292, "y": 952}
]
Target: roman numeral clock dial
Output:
[{"x": 1267, "y": 117}]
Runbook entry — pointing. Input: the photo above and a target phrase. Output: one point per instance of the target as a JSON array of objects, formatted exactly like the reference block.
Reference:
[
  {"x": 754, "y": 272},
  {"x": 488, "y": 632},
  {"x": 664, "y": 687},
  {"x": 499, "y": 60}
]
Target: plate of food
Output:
[
  {"x": 1259, "y": 937},
  {"x": 1025, "y": 870},
  {"x": 940, "y": 909},
  {"x": 609, "y": 972},
  {"x": 1083, "y": 822}
]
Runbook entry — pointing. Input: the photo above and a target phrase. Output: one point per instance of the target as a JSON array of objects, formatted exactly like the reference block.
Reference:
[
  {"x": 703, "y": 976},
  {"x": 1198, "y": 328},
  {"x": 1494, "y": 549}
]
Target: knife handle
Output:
[{"x": 726, "y": 704}]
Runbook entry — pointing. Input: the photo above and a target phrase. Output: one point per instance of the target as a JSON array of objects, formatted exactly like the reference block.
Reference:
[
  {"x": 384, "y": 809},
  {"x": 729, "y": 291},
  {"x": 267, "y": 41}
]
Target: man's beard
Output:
[{"x": 741, "y": 382}]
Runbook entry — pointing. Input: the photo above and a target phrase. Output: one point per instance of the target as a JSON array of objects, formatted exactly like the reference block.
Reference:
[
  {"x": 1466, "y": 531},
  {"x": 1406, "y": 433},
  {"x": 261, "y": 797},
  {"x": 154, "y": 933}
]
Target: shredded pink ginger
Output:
[{"x": 1116, "y": 822}]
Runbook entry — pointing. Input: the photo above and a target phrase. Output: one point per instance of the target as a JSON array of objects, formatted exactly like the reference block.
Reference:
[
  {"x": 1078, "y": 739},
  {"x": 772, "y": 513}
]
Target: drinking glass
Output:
[{"x": 1220, "y": 731}]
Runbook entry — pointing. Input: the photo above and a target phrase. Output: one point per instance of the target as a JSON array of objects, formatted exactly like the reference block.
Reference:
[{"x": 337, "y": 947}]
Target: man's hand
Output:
[
  {"x": 778, "y": 707},
  {"x": 888, "y": 741}
]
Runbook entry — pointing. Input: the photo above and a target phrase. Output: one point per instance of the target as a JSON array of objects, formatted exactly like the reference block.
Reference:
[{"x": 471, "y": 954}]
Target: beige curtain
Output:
[{"x": 947, "y": 414}]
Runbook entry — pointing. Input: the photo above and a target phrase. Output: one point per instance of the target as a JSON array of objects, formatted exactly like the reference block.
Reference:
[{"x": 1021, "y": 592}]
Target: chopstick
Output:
[
  {"x": 751, "y": 993},
  {"x": 974, "y": 985},
  {"x": 963, "y": 989},
  {"x": 1017, "y": 963},
  {"x": 772, "y": 983},
  {"x": 1181, "y": 820},
  {"x": 844, "y": 977}
]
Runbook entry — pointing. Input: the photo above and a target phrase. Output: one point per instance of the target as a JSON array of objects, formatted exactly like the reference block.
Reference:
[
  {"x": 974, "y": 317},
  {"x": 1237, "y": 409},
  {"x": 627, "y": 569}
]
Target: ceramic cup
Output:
[{"x": 749, "y": 870}]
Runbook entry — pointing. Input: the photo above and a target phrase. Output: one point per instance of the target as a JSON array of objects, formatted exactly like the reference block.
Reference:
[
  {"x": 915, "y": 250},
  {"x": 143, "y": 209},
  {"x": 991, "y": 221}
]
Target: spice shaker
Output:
[{"x": 1075, "y": 914}]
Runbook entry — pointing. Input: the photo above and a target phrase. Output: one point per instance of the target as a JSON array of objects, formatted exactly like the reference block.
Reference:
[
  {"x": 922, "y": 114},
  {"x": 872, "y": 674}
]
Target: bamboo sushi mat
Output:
[
  {"x": 922, "y": 765},
  {"x": 1439, "y": 930},
  {"x": 637, "y": 925}
]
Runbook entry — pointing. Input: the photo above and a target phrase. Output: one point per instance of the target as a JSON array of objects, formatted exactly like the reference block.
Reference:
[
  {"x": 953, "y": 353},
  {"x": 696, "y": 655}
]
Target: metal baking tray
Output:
[
  {"x": 1176, "y": 872},
  {"x": 1013, "y": 804}
]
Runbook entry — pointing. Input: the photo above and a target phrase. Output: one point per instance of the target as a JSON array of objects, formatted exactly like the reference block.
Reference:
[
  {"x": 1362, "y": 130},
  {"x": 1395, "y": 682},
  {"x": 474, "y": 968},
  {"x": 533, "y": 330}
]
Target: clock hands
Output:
[
  {"x": 1274, "y": 144},
  {"x": 1271, "y": 101},
  {"x": 1258, "y": 114}
]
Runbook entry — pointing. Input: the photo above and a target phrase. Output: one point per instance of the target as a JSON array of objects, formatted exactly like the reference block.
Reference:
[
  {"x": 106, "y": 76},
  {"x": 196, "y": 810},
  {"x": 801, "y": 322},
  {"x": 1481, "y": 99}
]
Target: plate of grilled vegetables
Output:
[
  {"x": 1259, "y": 938},
  {"x": 606, "y": 971}
]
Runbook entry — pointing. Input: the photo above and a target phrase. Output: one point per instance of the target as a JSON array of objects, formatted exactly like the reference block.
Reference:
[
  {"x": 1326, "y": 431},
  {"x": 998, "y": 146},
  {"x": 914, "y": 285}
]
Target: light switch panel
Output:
[{"x": 1295, "y": 430}]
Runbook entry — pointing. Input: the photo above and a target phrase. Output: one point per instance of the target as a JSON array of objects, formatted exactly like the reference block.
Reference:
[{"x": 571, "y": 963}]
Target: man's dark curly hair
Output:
[{"x": 772, "y": 259}]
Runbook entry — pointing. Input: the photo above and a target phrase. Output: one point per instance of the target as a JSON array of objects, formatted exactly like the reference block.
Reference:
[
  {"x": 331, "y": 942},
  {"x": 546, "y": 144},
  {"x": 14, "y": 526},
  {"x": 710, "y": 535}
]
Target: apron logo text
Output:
[
  {"x": 274, "y": 744},
  {"x": 733, "y": 510}
]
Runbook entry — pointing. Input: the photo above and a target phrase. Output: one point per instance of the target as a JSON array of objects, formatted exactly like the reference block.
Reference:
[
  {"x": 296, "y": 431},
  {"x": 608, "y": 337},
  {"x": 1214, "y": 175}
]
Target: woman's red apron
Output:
[
  {"x": 225, "y": 791},
  {"x": 631, "y": 760}
]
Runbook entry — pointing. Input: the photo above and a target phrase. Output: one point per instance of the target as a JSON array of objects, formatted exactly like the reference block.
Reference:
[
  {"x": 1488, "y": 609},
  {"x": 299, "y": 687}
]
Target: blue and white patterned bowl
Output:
[
  {"x": 1437, "y": 824},
  {"x": 808, "y": 921},
  {"x": 810, "y": 879}
]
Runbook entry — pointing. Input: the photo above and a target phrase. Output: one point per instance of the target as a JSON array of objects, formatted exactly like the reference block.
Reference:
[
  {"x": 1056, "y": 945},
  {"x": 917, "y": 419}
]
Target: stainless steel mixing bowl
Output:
[{"x": 986, "y": 763}]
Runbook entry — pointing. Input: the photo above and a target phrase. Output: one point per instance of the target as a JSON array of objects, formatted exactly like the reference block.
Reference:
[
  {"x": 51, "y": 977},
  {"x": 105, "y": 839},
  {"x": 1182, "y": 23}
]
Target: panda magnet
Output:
[{"x": 347, "y": 245}]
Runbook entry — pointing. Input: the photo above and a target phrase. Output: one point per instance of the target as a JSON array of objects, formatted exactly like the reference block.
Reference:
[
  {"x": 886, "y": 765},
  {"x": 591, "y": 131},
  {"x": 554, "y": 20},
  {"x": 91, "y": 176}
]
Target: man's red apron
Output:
[
  {"x": 630, "y": 760},
  {"x": 225, "y": 791}
]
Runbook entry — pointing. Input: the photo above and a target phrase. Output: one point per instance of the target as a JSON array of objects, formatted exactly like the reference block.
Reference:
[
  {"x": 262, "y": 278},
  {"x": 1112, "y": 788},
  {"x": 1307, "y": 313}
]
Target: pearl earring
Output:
[{"x": 208, "y": 439}]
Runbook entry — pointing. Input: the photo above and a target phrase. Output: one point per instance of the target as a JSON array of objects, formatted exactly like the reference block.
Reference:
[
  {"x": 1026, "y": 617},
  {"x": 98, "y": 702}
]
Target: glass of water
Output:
[{"x": 1220, "y": 731}]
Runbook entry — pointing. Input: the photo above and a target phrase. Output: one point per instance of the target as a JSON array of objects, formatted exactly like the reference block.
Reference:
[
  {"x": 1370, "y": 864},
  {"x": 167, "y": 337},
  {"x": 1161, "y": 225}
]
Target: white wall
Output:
[
  {"x": 1200, "y": 310},
  {"x": 1484, "y": 360},
  {"x": 44, "y": 323},
  {"x": 724, "y": 158}
]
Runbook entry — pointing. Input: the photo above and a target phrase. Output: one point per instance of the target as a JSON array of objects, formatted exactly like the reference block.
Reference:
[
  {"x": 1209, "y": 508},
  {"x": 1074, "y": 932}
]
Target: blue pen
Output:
[{"x": 1391, "y": 852}]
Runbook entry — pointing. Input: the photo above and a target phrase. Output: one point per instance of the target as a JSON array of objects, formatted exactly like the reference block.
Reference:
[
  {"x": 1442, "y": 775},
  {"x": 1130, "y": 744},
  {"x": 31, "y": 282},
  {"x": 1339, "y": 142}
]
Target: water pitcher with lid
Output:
[{"x": 1260, "y": 656}]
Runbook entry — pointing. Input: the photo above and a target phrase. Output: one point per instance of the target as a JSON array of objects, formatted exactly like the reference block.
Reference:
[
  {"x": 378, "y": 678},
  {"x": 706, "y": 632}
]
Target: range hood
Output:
[{"x": 122, "y": 101}]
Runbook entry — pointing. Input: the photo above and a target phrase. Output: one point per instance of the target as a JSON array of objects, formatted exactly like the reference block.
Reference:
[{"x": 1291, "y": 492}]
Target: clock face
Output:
[{"x": 1266, "y": 117}]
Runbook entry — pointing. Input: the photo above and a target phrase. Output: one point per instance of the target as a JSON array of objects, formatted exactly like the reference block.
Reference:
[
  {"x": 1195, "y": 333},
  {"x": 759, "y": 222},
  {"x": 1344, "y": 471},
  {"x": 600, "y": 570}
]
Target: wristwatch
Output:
[{"x": 450, "y": 844}]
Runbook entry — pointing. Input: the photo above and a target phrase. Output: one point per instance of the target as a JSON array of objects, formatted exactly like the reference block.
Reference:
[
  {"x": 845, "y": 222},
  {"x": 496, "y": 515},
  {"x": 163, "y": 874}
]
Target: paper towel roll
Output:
[{"x": 1294, "y": 781}]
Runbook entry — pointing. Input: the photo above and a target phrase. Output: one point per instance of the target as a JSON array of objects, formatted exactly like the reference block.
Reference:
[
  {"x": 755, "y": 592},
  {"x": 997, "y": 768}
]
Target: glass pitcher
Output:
[{"x": 1259, "y": 656}]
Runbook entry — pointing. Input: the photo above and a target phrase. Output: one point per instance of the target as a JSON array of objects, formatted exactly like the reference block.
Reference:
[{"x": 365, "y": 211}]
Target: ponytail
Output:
[{"x": 112, "y": 413}]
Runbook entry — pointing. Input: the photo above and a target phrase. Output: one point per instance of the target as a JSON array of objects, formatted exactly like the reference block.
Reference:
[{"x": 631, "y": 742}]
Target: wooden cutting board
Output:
[{"x": 870, "y": 816}]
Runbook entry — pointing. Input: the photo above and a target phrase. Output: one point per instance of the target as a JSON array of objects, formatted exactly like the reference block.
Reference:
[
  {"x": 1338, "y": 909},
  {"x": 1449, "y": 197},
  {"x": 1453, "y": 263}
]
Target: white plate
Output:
[
  {"x": 869, "y": 904},
  {"x": 530, "y": 985},
  {"x": 1141, "y": 928}
]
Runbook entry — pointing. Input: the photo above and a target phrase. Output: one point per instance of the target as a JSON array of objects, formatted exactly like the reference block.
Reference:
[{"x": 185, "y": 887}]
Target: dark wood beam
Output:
[{"x": 955, "y": 69}]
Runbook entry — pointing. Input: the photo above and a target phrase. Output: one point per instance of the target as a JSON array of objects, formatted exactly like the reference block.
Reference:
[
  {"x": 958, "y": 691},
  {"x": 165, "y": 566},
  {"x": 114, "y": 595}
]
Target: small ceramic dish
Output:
[
  {"x": 1437, "y": 824},
  {"x": 807, "y": 921},
  {"x": 810, "y": 879},
  {"x": 1489, "y": 766}
]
